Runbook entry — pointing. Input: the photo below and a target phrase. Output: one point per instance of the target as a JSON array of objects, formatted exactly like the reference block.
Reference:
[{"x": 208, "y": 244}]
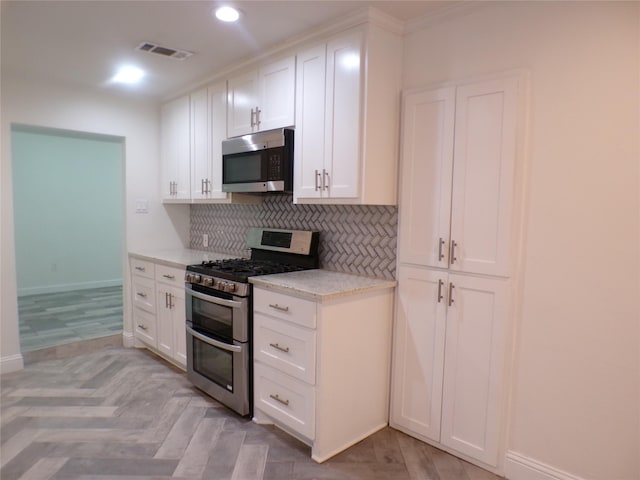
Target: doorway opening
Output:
[{"x": 68, "y": 200}]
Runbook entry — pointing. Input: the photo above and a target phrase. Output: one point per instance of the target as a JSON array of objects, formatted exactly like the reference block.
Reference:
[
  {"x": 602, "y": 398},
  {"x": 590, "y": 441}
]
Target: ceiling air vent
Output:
[{"x": 164, "y": 51}]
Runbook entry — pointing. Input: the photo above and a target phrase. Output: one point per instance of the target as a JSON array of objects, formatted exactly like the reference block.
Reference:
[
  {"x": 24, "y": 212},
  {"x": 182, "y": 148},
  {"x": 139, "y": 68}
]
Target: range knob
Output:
[
  {"x": 208, "y": 282},
  {"x": 229, "y": 287},
  {"x": 196, "y": 278}
]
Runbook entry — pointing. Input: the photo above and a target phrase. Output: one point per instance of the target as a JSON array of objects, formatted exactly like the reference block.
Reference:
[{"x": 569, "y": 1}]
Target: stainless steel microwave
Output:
[{"x": 259, "y": 162}]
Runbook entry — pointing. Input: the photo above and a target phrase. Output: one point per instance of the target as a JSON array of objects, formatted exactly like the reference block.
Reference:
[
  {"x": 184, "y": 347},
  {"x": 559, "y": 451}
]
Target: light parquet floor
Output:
[
  {"x": 52, "y": 319},
  {"x": 123, "y": 413}
]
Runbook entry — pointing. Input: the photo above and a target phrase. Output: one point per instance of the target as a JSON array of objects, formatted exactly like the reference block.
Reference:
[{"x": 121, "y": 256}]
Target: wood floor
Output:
[
  {"x": 52, "y": 319},
  {"x": 123, "y": 413}
]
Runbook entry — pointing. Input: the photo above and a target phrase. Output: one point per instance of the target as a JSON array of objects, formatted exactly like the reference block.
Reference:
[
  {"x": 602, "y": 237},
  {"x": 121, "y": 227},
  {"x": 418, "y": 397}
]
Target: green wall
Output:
[{"x": 68, "y": 209}]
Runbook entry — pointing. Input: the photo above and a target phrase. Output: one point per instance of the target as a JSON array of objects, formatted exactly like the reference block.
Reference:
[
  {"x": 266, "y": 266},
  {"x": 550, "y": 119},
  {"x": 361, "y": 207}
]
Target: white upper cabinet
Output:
[
  {"x": 346, "y": 119},
  {"x": 193, "y": 127},
  {"x": 261, "y": 99},
  {"x": 208, "y": 129},
  {"x": 483, "y": 176},
  {"x": 459, "y": 151},
  {"x": 175, "y": 154},
  {"x": 427, "y": 162}
]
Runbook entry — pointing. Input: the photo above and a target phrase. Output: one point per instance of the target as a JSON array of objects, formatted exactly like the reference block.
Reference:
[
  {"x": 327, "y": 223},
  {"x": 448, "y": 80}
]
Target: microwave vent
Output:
[{"x": 164, "y": 51}]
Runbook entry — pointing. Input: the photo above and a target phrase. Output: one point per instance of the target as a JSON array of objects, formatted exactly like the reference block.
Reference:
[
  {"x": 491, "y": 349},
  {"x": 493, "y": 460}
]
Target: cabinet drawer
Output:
[
  {"x": 285, "y": 307},
  {"x": 287, "y": 347},
  {"x": 170, "y": 275},
  {"x": 144, "y": 326},
  {"x": 285, "y": 399},
  {"x": 143, "y": 294},
  {"x": 142, "y": 268}
]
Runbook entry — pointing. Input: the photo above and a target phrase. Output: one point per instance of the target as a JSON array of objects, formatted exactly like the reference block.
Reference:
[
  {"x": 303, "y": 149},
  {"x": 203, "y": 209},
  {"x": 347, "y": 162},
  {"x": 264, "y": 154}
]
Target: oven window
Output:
[
  {"x": 212, "y": 318},
  {"x": 243, "y": 168},
  {"x": 214, "y": 363}
]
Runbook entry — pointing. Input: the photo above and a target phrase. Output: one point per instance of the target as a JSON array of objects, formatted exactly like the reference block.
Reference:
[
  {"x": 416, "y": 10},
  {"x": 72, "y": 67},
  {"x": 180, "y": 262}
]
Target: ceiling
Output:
[{"x": 81, "y": 43}]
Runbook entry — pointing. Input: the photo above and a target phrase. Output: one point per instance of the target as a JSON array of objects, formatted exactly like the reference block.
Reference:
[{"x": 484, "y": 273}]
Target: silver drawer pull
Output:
[
  {"x": 279, "y": 307},
  {"x": 143, "y": 295},
  {"x": 170, "y": 277},
  {"x": 278, "y": 347},
  {"x": 142, "y": 269},
  {"x": 277, "y": 398},
  {"x": 142, "y": 327}
]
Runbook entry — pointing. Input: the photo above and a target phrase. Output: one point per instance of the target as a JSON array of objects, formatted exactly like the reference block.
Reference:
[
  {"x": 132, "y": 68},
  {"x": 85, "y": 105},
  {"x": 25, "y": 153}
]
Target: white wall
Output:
[
  {"x": 68, "y": 201},
  {"x": 26, "y": 102},
  {"x": 575, "y": 404}
]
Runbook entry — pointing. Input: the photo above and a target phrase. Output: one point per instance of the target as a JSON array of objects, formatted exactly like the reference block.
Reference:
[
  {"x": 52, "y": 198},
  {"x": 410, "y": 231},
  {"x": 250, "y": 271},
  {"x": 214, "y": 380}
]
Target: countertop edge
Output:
[
  {"x": 178, "y": 258},
  {"x": 307, "y": 293}
]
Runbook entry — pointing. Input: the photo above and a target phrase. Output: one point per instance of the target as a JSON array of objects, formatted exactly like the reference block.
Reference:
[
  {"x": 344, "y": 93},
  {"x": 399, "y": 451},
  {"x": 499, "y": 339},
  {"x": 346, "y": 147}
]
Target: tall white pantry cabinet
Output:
[{"x": 458, "y": 235}]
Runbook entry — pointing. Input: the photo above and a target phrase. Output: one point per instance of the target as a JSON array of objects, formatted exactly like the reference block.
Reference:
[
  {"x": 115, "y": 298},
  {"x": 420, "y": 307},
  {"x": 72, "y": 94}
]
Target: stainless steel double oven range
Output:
[{"x": 219, "y": 310}]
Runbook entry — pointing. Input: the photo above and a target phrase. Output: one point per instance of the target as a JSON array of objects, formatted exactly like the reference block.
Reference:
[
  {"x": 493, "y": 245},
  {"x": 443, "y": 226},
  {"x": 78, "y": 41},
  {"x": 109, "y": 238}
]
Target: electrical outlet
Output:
[{"x": 205, "y": 240}]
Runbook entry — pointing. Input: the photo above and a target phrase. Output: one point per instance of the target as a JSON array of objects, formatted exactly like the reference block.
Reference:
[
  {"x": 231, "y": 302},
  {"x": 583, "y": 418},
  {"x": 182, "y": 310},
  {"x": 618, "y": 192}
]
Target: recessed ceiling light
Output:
[
  {"x": 128, "y": 75},
  {"x": 227, "y": 14}
]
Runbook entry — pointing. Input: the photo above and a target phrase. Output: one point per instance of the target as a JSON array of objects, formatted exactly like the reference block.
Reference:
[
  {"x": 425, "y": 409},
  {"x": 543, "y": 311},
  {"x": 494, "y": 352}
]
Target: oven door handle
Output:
[
  {"x": 216, "y": 300},
  {"x": 214, "y": 343}
]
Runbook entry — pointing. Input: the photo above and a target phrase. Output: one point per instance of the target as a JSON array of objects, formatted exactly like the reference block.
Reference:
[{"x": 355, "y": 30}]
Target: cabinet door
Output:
[
  {"x": 200, "y": 156},
  {"x": 419, "y": 351},
  {"x": 217, "y": 132},
  {"x": 164, "y": 326},
  {"x": 277, "y": 93},
  {"x": 309, "y": 132},
  {"x": 175, "y": 175},
  {"x": 426, "y": 168},
  {"x": 179, "y": 326},
  {"x": 345, "y": 65},
  {"x": 242, "y": 98},
  {"x": 474, "y": 366},
  {"x": 483, "y": 176}
]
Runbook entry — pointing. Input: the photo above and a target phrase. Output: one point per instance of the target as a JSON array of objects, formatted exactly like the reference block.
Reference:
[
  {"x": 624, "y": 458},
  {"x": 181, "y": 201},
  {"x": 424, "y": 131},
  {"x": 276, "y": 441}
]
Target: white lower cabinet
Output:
[
  {"x": 159, "y": 309},
  {"x": 449, "y": 350},
  {"x": 320, "y": 366}
]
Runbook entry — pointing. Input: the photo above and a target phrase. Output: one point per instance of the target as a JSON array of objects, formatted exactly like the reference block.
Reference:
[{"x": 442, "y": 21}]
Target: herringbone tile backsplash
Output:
[{"x": 357, "y": 239}]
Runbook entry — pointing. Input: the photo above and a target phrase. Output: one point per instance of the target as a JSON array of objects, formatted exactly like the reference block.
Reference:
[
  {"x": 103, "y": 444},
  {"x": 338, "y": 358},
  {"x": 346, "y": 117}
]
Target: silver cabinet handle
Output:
[
  {"x": 166, "y": 299},
  {"x": 441, "y": 243},
  {"x": 258, "y": 121},
  {"x": 278, "y": 347},
  {"x": 279, "y": 307},
  {"x": 325, "y": 179},
  {"x": 142, "y": 327},
  {"x": 143, "y": 295},
  {"x": 170, "y": 277},
  {"x": 202, "y": 187},
  {"x": 440, "y": 284},
  {"x": 253, "y": 123},
  {"x": 317, "y": 180},
  {"x": 453, "y": 252},
  {"x": 171, "y": 304},
  {"x": 277, "y": 398},
  {"x": 451, "y": 287},
  {"x": 142, "y": 269},
  {"x": 207, "y": 185}
]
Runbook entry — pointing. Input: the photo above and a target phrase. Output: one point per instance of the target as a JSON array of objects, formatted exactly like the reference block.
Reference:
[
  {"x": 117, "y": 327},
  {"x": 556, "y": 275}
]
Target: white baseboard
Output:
[
  {"x": 69, "y": 287},
  {"x": 520, "y": 467},
  {"x": 11, "y": 363},
  {"x": 128, "y": 340}
]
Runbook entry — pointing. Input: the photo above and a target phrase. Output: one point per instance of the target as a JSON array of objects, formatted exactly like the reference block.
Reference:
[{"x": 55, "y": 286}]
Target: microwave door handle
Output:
[
  {"x": 216, "y": 300},
  {"x": 214, "y": 343}
]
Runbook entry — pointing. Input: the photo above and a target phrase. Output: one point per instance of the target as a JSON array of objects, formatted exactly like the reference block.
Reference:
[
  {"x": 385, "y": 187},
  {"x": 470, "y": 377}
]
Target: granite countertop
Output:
[
  {"x": 180, "y": 257},
  {"x": 320, "y": 285}
]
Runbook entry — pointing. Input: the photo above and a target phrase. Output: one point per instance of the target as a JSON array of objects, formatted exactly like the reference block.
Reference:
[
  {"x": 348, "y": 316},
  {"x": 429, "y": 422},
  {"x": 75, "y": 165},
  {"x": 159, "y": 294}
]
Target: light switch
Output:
[{"x": 142, "y": 206}]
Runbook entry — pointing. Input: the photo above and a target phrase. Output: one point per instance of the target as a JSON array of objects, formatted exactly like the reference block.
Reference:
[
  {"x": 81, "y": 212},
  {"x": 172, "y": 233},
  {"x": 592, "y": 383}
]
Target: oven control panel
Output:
[{"x": 227, "y": 286}]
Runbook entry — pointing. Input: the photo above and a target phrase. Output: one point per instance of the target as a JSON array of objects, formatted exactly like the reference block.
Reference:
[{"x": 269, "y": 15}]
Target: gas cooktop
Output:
[{"x": 240, "y": 269}]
